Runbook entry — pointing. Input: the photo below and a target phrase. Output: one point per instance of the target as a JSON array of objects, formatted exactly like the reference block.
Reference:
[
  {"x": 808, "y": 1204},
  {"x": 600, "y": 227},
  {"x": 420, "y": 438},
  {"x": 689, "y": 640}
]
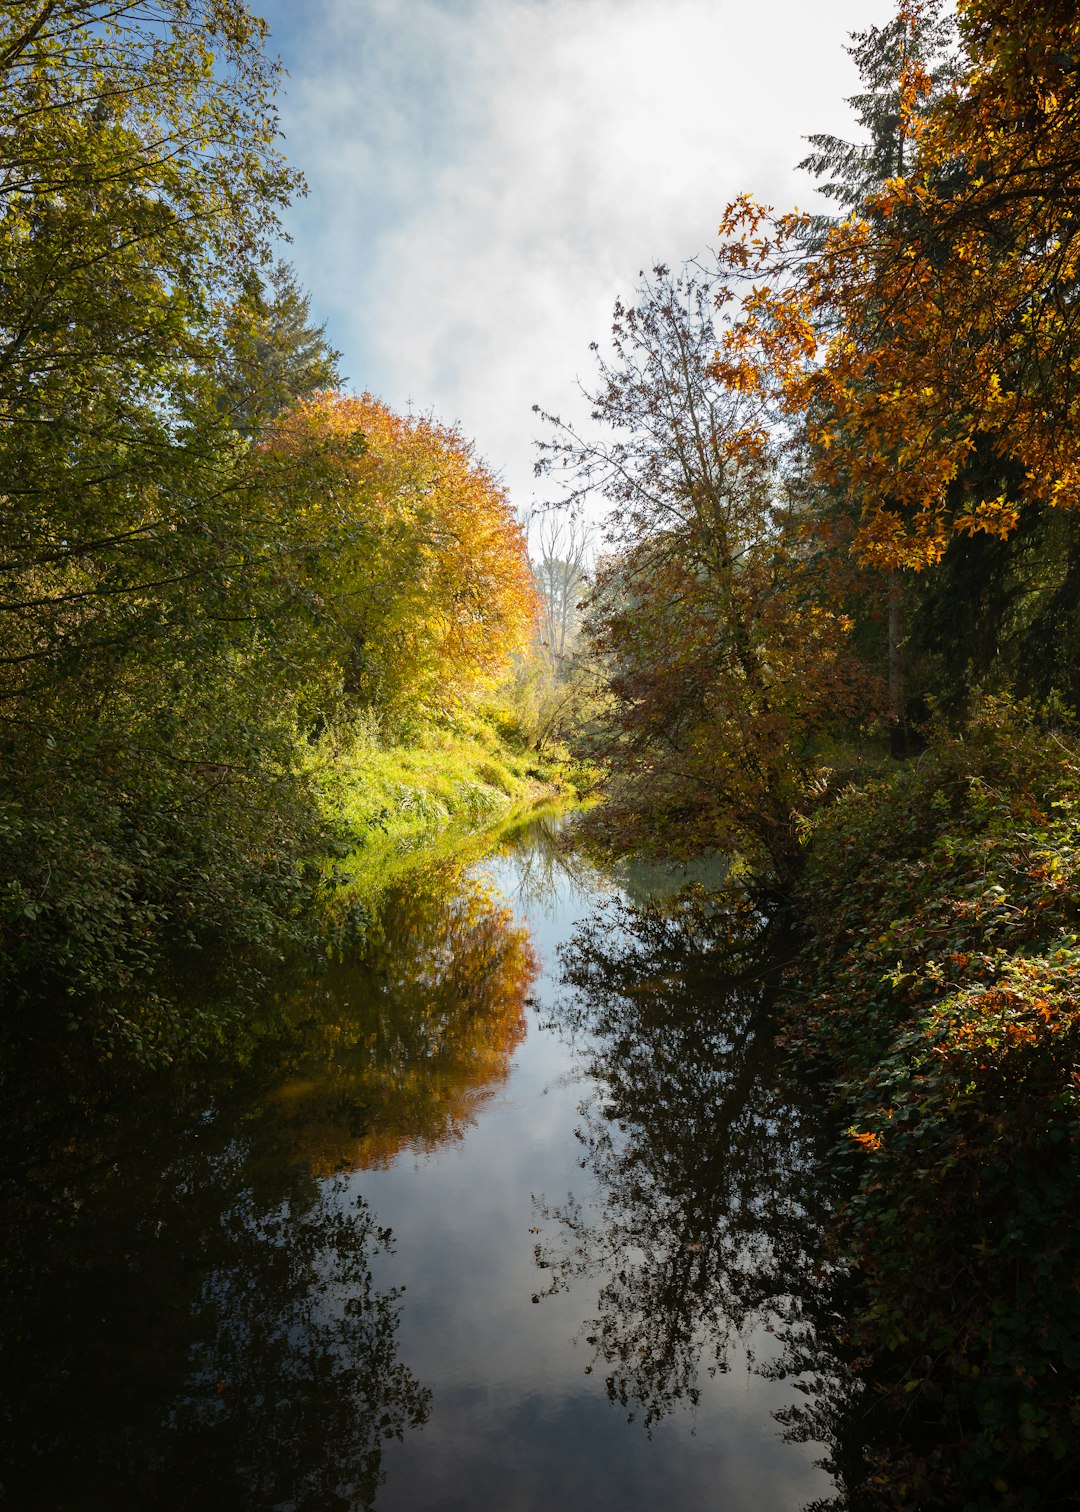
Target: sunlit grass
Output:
[{"x": 424, "y": 791}]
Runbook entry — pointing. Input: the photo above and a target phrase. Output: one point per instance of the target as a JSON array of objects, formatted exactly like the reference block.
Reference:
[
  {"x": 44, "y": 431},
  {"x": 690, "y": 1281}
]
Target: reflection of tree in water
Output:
[
  {"x": 194, "y": 1321},
  {"x": 294, "y": 1382},
  {"x": 553, "y": 856},
  {"x": 403, "y": 1047},
  {"x": 188, "y": 1325},
  {"x": 548, "y": 865},
  {"x": 707, "y": 1222}
]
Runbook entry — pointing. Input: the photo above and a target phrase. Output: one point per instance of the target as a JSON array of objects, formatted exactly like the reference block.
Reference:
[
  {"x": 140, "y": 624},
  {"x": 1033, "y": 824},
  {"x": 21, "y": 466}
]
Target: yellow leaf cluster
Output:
[{"x": 430, "y": 579}]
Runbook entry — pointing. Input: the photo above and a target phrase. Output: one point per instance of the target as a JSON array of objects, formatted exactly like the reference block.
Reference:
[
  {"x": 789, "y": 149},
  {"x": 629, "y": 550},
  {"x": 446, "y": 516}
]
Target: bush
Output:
[{"x": 941, "y": 974}]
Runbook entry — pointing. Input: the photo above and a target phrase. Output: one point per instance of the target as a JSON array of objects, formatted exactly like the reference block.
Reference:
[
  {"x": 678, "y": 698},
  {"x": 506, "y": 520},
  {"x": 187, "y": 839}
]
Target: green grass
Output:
[{"x": 427, "y": 790}]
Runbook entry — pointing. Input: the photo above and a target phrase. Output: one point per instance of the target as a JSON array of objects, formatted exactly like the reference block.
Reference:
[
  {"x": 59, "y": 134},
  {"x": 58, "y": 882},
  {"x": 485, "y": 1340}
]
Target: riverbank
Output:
[
  {"x": 395, "y": 793},
  {"x": 156, "y": 947},
  {"x": 939, "y": 990},
  {"x": 432, "y": 789}
]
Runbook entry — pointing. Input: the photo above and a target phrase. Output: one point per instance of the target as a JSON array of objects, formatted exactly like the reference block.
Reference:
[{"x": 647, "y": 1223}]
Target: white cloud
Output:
[{"x": 487, "y": 175}]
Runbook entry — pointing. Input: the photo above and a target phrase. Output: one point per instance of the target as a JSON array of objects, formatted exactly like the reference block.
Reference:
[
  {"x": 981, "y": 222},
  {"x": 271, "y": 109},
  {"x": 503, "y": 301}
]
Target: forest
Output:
[{"x": 828, "y": 625}]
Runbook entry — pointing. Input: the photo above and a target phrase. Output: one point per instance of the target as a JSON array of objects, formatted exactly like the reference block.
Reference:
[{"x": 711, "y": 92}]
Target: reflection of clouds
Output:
[
  {"x": 409, "y": 1043},
  {"x": 546, "y": 870}
]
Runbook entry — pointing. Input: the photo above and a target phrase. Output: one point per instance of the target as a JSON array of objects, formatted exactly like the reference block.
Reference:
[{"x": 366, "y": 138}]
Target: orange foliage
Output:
[
  {"x": 431, "y": 579},
  {"x": 405, "y": 1053},
  {"x": 946, "y": 310}
]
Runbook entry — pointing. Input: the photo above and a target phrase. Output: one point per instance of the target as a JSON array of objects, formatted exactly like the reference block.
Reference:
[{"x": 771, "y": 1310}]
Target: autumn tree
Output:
[
  {"x": 998, "y": 163},
  {"x": 852, "y": 174},
  {"x": 724, "y": 656},
  {"x": 949, "y": 297},
  {"x": 968, "y": 247},
  {"x": 432, "y": 591},
  {"x": 937, "y": 374}
]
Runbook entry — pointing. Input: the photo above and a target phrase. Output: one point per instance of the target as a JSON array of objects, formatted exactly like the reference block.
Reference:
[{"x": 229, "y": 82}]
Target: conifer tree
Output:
[
  {"x": 278, "y": 354},
  {"x": 851, "y": 174}
]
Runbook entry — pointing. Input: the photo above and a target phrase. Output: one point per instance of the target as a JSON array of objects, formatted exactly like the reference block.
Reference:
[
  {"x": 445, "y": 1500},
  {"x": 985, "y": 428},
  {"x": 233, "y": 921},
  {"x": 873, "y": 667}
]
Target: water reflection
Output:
[
  {"x": 193, "y": 1317},
  {"x": 204, "y": 1310},
  {"x": 547, "y": 866},
  {"x": 400, "y": 1050},
  {"x": 199, "y": 1331},
  {"x": 707, "y": 1219}
]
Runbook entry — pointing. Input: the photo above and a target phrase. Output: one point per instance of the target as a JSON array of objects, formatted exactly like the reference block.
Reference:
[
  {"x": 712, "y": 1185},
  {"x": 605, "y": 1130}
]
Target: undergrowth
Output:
[{"x": 939, "y": 988}]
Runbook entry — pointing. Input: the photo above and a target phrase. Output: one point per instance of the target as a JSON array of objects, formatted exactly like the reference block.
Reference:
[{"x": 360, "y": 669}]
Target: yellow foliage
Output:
[{"x": 432, "y": 584}]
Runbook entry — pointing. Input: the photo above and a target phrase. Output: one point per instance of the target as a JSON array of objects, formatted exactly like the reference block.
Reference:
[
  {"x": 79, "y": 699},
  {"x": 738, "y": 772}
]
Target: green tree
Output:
[
  {"x": 150, "y": 597},
  {"x": 141, "y": 178},
  {"x": 852, "y": 173},
  {"x": 278, "y": 354}
]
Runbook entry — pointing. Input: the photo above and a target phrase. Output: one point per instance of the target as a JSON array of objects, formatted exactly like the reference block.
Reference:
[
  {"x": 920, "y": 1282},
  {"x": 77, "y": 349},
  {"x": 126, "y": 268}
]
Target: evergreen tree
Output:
[
  {"x": 278, "y": 354},
  {"x": 850, "y": 173},
  {"x": 992, "y": 613}
]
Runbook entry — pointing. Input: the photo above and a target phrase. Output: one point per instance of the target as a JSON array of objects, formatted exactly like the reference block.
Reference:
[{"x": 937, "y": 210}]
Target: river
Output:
[{"x": 517, "y": 1213}]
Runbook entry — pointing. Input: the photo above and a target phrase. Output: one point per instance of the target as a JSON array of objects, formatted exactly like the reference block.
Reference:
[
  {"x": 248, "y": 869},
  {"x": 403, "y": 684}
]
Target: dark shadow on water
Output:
[
  {"x": 211, "y": 1339},
  {"x": 191, "y": 1318},
  {"x": 703, "y": 1221}
]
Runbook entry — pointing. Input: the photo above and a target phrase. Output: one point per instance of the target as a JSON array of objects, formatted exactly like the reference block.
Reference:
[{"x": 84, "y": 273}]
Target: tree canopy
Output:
[
  {"x": 202, "y": 555},
  {"x": 434, "y": 592},
  {"x": 718, "y": 629}
]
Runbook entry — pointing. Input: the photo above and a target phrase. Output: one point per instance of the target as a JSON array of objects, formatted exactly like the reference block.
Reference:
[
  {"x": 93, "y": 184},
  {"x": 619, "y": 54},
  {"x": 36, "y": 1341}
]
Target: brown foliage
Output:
[{"x": 715, "y": 616}]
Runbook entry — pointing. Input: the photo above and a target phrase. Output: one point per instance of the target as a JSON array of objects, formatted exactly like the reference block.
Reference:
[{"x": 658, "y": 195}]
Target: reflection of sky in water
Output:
[
  {"x": 203, "y": 1307},
  {"x": 516, "y": 1421}
]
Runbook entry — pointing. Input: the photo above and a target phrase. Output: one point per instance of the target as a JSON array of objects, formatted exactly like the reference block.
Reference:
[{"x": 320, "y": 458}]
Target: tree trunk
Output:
[{"x": 897, "y": 729}]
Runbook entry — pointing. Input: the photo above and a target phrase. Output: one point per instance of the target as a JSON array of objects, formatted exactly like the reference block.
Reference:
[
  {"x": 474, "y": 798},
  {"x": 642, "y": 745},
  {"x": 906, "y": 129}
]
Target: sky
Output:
[{"x": 486, "y": 177}]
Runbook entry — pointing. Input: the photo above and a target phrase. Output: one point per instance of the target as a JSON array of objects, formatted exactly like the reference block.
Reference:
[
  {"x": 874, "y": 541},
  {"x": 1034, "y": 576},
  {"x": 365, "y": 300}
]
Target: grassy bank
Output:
[
  {"x": 939, "y": 989},
  {"x": 431, "y": 788},
  {"x": 363, "y": 807}
]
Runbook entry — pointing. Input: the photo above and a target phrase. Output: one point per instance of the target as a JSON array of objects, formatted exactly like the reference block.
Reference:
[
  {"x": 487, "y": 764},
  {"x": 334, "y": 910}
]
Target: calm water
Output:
[{"x": 515, "y": 1214}]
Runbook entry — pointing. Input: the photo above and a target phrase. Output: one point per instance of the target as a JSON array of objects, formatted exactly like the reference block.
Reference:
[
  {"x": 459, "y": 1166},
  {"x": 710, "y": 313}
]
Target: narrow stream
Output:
[{"x": 516, "y": 1214}]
